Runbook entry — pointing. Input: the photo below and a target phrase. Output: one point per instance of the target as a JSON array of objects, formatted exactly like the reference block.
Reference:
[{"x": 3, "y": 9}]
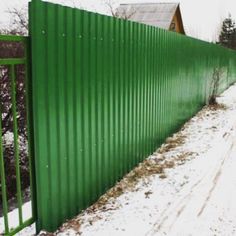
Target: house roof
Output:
[{"x": 155, "y": 14}]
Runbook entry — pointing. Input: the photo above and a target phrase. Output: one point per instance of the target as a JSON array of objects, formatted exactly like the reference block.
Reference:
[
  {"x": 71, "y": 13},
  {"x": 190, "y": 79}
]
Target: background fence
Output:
[{"x": 106, "y": 93}]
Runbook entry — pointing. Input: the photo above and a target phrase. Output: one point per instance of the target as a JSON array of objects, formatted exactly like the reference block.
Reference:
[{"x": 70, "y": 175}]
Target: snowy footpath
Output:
[{"x": 187, "y": 187}]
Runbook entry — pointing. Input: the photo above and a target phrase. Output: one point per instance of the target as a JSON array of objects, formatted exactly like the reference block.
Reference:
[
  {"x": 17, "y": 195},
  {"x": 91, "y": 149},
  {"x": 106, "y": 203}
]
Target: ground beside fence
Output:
[{"x": 187, "y": 187}]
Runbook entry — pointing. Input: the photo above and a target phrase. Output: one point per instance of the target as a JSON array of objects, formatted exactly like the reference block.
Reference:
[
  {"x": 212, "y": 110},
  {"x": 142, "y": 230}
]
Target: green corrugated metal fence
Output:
[{"x": 106, "y": 93}]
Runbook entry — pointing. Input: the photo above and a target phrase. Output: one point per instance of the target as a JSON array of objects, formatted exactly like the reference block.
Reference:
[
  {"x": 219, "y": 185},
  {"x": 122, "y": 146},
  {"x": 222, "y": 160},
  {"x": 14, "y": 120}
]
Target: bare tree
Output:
[
  {"x": 19, "y": 21},
  {"x": 215, "y": 85},
  {"x": 18, "y": 26}
]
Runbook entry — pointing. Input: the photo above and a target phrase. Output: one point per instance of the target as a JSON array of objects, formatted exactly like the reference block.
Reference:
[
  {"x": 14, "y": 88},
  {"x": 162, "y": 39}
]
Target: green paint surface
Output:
[{"x": 106, "y": 93}]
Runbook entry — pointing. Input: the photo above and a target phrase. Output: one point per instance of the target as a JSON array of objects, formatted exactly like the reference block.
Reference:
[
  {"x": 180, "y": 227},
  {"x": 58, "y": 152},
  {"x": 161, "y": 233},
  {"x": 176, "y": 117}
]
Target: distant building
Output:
[{"x": 163, "y": 15}]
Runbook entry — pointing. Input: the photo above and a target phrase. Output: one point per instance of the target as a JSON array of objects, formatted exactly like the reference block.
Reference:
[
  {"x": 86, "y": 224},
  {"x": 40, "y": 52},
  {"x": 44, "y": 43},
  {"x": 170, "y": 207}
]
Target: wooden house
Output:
[{"x": 162, "y": 15}]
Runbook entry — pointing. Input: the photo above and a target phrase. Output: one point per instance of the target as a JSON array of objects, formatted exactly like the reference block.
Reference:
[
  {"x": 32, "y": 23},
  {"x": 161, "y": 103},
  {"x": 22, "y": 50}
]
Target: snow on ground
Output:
[
  {"x": 13, "y": 219},
  {"x": 28, "y": 231},
  {"x": 187, "y": 187}
]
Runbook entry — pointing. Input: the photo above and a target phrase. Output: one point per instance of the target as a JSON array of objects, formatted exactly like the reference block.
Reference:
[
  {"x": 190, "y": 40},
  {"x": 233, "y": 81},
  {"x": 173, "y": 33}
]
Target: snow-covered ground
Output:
[
  {"x": 13, "y": 219},
  {"x": 192, "y": 190}
]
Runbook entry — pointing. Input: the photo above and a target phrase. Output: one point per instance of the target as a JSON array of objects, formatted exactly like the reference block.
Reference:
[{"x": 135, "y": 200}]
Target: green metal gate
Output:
[{"x": 10, "y": 65}]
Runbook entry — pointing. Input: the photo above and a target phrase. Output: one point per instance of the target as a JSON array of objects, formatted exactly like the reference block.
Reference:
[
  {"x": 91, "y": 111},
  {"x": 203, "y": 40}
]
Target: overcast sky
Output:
[{"x": 202, "y": 18}]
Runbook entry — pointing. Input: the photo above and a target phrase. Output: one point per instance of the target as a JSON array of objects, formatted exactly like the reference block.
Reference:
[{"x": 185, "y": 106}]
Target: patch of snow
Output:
[
  {"x": 8, "y": 138},
  {"x": 28, "y": 231},
  {"x": 13, "y": 219},
  {"x": 197, "y": 197}
]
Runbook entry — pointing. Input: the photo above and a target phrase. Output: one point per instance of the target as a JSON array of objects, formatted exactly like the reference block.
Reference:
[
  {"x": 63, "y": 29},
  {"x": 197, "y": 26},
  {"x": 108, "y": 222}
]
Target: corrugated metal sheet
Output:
[
  {"x": 106, "y": 93},
  {"x": 155, "y": 14}
]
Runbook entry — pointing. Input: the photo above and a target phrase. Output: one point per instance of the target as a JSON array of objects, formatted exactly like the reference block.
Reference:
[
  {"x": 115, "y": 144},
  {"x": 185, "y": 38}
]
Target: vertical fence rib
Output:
[
  {"x": 30, "y": 126},
  {"x": 16, "y": 146},
  {"x": 3, "y": 180}
]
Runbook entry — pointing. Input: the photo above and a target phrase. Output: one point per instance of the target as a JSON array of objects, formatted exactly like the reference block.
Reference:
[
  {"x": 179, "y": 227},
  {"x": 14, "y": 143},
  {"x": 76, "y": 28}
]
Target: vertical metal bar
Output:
[
  {"x": 93, "y": 107},
  {"x": 135, "y": 94},
  {"x": 109, "y": 99},
  {"x": 60, "y": 61},
  {"x": 99, "y": 71},
  {"x": 121, "y": 90},
  {"x": 53, "y": 166},
  {"x": 66, "y": 107},
  {"x": 69, "y": 35},
  {"x": 30, "y": 136},
  {"x": 115, "y": 100},
  {"x": 102, "y": 89},
  {"x": 112, "y": 104},
  {"x": 16, "y": 148},
  {"x": 129, "y": 85},
  {"x": 132, "y": 97},
  {"x": 3, "y": 180},
  {"x": 86, "y": 107},
  {"x": 77, "y": 109},
  {"x": 139, "y": 107}
]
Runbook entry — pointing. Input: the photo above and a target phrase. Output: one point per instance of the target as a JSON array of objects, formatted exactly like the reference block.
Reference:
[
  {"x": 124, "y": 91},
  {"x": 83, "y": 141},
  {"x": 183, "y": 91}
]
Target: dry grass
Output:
[
  {"x": 75, "y": 225},
  {"x": 148, "y": 193},
  {"x": 172, "y": 142},
  {"x": 217, "y": 106},
  {"x": 162, "y": 176},
  {"x": 148, "y": 167}
]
